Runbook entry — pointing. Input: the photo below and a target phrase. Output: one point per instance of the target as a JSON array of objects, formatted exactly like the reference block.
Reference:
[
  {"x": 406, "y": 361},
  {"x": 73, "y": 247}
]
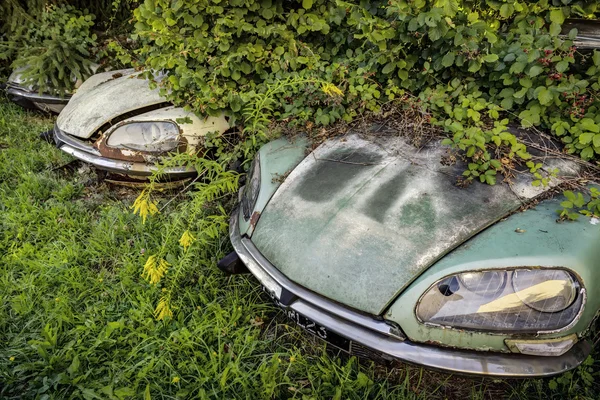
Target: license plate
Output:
[{"x": 312, "y": 327}]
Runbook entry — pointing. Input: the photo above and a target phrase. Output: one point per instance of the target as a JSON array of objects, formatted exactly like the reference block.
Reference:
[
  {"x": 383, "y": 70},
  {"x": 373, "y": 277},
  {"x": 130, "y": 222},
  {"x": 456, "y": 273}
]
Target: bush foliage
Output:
[
  {"x": 55, "y": 42},
  {"x": 471, "y": 67}
]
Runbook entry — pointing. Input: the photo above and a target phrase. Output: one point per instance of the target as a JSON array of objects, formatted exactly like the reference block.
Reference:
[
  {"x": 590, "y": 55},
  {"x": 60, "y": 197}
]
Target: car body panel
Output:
[
  {"x": 360, "y": 218},
  {"x": 110, "y": 100},
  {"x": 278, "y": 158},
  {"x": 530, "y": 238},
  {"x": 372, "y": 337},
  {"x": 103, "y": 98},
  {"x": 191, "y": 132}
]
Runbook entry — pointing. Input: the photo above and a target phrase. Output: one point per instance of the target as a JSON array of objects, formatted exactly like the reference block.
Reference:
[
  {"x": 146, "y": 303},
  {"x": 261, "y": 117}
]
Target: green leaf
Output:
[
  {"x": 570, "y": 195},
  {"x": 555, "y": 29},
  {"x": 307, "y": 4},
  {"x": 589, "y": 124},
  {"x": 490, "y": 58},
  {"x": 147, "y": 395},
  {"x": 562, "y": 66},
  {"x": 506, "y": 10},
  {"x": 573, "y": 34},
  {"x": 124, "y": 392},
  {"x": 557, "y": 16},
  {"x": 448, "y": 59},
  {"x": 447, "y": 142},
  {"x": 517, "y": 67},
  {"x": 535, "y": 71},
  {"x": 596, "y": 58},
  {"x": 267, "y": 13},
  {"x": 566, "y": 204},
  {"x": 545, "y": 96},
  {"x": 74, "y": 367},
  {"x": 507, "y": 103},
  {"x": 587, "y": 153},
  {"x": 529, "y": 118},
  {"x": 389, "y": 67},
  {"x": 586, "y": 137},
  {"x": 597, "y": 140},
  {"x": 490, "y": 179}
]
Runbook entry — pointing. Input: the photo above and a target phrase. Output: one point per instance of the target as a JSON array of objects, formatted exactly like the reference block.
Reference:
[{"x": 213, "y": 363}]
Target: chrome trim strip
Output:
[
  {"x": 368, "y": 332},
  {"x": 62, "y": 138},
  {"x": 91, "y": 155},
  {"x": 40, "y": 98}
]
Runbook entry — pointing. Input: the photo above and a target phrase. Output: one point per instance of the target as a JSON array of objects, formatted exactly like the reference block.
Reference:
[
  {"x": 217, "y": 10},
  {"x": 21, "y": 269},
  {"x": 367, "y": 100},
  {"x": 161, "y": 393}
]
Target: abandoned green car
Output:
[{"x": 368, "y": 243}]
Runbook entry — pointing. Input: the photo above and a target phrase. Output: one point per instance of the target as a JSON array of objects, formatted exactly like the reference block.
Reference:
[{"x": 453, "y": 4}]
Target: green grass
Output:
[{"x": 76, "y": 318}]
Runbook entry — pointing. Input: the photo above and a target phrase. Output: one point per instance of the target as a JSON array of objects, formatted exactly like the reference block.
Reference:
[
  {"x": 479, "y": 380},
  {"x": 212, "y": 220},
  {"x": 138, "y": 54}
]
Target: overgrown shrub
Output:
[
  {"x": 470, "y": 67},
  {"x": 55, "y": 42}
]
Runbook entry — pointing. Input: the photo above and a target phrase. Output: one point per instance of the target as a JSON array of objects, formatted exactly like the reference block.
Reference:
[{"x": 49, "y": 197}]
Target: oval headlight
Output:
[
  {"x": 546, "y": 291},
  {"x": 150, "y": 136},
  {"x": 484, "y": 283},
  {"x": 520, "y": 300}
]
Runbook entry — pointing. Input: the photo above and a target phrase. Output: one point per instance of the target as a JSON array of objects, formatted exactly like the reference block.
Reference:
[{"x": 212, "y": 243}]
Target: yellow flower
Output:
[
  {"x": 144, "y": 206},
  {"x": 11, "y": 359},
  {"x": 331, "y": 90},
  {"x": 175, "y": 379},
  {"x": 155, "y": 269},
  {"x": 292, "y": 359},
  {"x": 186, "y": 239},
  {"x": 163, "y": 310}
]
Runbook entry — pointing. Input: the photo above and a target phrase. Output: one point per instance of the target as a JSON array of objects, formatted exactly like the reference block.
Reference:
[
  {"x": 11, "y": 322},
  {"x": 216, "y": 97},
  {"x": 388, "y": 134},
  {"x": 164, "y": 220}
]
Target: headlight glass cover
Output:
[
  {"x": 250, "y": 194},
  {"x": 521, "y": 300},
  {"x": 151, "y": 136}
]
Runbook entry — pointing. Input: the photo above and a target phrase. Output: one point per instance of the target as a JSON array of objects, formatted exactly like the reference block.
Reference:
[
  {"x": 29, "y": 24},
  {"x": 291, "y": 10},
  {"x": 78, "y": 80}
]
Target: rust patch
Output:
[
  {"x": 117, "y": 154},
  {"x": 254, "y": 219}
]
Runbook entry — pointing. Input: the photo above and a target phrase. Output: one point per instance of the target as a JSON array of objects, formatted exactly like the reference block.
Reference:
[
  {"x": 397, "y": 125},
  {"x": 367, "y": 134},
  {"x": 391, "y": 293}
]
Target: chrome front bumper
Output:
[
  {"x": 29, "y": 99},
  {"x": 32, "y": 96},
  {"x": 85, "y": 152},
  {"x": 386, "y": 341}
]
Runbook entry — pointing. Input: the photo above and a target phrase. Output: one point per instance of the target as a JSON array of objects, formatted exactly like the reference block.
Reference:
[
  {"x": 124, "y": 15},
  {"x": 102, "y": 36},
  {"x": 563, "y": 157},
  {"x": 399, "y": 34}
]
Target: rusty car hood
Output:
[
  {"x": 360, "y": 218},
  {"x": 104, "y": 97}
]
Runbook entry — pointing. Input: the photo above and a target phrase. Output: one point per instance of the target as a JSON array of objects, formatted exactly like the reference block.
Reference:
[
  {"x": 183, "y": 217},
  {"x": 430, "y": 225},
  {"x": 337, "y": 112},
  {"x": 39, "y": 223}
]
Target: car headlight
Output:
[
  {"x": 250, "y": 194},
  {"x": 152, "y": 137},
  {"x": 518, "y": 300}
]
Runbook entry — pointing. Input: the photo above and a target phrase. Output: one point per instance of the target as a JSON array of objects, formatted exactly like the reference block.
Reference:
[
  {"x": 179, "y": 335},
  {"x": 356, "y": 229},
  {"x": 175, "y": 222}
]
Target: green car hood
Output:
[{"x": 360, "y": 218}]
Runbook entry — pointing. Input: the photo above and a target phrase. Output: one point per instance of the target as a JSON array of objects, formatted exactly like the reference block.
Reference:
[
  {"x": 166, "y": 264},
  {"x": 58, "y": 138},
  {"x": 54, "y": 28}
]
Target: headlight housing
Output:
[
  {"x": 147, "y": 136},
  {"x": 250, "y": 194},
  {"x": 518, "y": 300}
]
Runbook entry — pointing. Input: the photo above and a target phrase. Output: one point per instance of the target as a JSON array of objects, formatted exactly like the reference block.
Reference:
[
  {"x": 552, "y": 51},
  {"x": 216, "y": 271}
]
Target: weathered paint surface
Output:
[
  {"x": 359, "y": 219},
  {"x": 543, "y": 242},
  {"x": 104, "y": 97},
  {"x": 278, "y": 158}
]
